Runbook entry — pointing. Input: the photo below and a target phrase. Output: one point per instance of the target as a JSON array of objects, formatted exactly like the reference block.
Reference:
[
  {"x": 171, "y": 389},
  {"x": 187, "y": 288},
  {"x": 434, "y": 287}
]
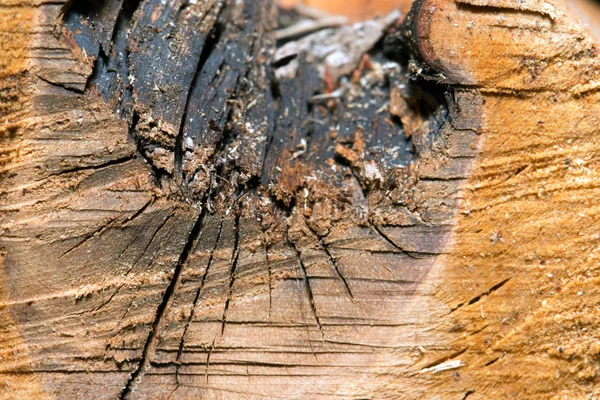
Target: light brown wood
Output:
[
  {"x": 341, "y": 266},
  {"x": 520, "y": 280}
]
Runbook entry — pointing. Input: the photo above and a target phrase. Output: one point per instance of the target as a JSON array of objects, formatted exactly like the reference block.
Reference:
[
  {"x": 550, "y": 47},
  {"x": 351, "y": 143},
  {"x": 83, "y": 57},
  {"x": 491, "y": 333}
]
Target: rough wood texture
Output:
[
  {"x": 521, "y": 277},
  {"x": 399, "y": 209}
]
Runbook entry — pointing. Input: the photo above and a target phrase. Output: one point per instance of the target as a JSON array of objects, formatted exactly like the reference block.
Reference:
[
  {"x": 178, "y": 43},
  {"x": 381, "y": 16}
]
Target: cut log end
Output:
[{"x": 192, "y": 207}]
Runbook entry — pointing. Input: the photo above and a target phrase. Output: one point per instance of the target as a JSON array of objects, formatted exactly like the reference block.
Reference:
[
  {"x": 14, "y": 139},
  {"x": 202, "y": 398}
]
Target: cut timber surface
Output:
[{"x": 404, "y": 209}]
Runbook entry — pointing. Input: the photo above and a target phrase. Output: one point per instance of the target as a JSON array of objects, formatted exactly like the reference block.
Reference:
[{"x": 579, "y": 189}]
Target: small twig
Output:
[{"x": 339, "y": 92}]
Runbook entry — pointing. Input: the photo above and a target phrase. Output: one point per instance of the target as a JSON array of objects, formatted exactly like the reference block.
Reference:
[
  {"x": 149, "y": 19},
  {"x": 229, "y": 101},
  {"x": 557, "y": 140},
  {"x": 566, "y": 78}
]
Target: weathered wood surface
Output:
[{"x": 190, "y": 212}]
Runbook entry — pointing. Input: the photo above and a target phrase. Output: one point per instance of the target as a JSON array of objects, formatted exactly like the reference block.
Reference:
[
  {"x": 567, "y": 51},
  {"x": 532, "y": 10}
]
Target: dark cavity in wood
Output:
[{"x": 212, "y": 112}]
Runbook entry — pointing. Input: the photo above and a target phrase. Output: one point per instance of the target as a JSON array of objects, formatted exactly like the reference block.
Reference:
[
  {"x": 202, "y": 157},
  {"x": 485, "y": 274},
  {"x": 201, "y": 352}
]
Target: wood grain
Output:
[{"x": 424, "y": 229}]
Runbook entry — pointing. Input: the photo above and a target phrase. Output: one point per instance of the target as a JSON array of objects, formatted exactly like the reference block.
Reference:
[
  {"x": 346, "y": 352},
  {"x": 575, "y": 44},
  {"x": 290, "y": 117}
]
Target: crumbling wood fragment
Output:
[{"x": 404, "y": 208}]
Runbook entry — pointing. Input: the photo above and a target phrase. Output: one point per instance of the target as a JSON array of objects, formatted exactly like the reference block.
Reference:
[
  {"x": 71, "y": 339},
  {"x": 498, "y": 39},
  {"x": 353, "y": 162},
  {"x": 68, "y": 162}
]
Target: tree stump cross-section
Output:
[{"x": 400, "y": 208}]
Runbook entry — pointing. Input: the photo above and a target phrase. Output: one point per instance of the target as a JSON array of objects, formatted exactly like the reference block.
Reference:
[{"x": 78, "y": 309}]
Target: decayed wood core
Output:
[{"x": 191, "y": 209}]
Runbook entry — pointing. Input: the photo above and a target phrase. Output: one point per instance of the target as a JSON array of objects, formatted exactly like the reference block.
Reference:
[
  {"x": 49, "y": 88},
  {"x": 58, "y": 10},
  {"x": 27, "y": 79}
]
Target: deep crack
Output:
[
  {"x": 307, "y": 286},
  {"x": 149, "y": 346}
]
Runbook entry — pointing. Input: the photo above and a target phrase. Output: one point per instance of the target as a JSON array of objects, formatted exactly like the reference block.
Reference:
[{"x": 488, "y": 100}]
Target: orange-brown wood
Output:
[
  {"x": 356, "y": 10},
  {"x": 360, "y": 9},
  {"x": 520, "y": 282}
]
